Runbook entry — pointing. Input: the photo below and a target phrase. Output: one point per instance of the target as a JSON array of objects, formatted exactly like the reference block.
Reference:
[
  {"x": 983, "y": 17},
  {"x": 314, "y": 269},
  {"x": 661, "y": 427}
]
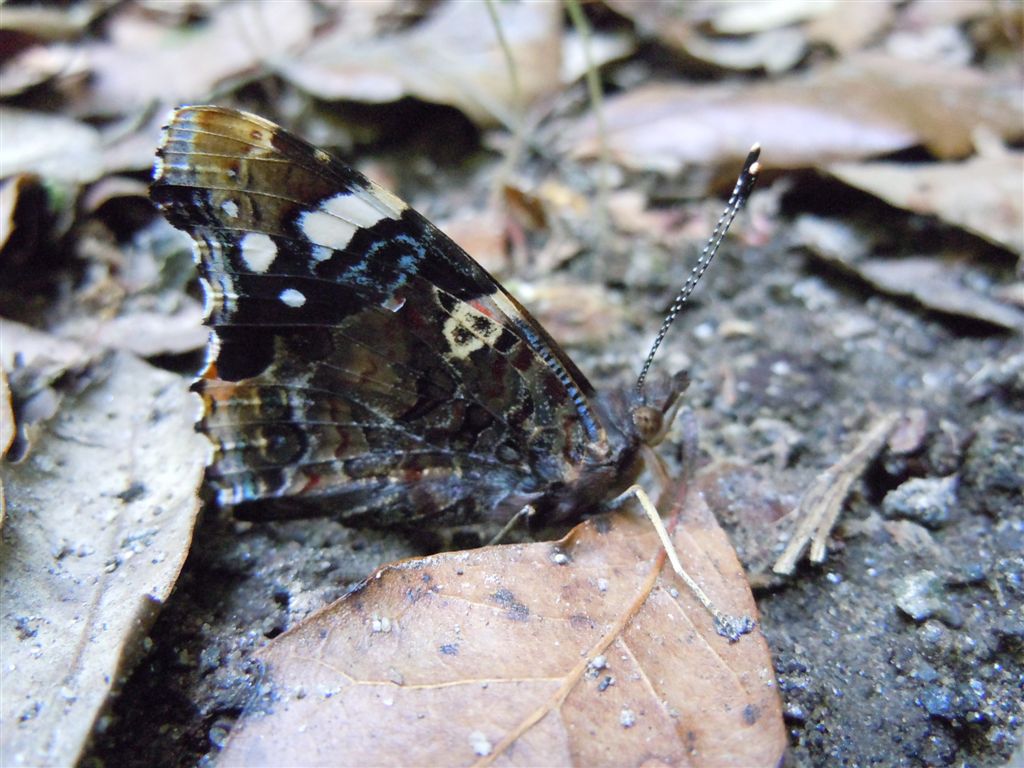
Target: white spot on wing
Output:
[
  {"x": 258, "y": 251},
  {"x": 292, "y": 297},
  {"x": 338, "y": 218},
  {"x": 320, "y": 253},
  {"x": 230, "y": 207}
]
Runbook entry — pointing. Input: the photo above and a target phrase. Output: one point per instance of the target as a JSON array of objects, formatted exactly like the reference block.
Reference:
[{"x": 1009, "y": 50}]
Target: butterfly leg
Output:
[
  {"x": 523, "y": 514},
  {"x": 730, "y": 627}
]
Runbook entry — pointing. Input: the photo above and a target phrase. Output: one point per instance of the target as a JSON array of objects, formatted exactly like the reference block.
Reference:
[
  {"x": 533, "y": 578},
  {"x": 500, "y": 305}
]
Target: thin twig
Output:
[{"x": 821, "y": 504}]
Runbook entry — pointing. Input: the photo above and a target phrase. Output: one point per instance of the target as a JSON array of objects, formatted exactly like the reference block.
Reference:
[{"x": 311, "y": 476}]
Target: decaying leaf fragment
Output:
[
  {"x": 982, "y": 195},
  {"x": 584, "y": 651}
]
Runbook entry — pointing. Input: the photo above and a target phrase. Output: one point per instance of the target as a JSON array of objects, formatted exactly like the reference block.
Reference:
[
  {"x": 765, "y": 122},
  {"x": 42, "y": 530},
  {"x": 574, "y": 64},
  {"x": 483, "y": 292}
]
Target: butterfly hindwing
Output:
[{"x": 360, "y": 357}]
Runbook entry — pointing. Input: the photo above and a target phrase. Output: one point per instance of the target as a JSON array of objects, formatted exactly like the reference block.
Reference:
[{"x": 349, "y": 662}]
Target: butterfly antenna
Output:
[{"x": 740, "y": 193}]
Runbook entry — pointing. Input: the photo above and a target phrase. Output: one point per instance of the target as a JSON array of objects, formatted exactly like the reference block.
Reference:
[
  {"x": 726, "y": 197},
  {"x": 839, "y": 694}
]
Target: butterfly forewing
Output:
[{"x": 361, "y": 361}]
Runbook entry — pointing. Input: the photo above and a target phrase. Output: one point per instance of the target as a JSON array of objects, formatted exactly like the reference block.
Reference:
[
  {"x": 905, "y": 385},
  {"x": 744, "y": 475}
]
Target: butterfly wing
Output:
[{"x": 360, "y": 359}]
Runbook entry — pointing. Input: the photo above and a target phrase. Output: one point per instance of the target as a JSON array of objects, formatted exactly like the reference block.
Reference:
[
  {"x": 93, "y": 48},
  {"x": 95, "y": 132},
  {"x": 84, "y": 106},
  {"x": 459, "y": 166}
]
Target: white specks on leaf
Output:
[{"x": 481, "y": 745}]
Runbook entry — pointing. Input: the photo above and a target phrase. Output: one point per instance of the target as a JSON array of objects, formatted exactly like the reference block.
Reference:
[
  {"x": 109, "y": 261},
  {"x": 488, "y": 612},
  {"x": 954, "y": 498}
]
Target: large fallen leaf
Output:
[
  {"x": 863, "y": 107},
  {"x": 585, "y": 651},
  {"x": 984, "y": 195},
  {"x": 143, "y": 62},
  {"x": 738, "y": 35},
  {"x": 99, "y": 521},
  {"x": 145, "y": 333},
  {"x": 941, "y": 287},
  {"x": 455, "y": 57},
  {"x": 948, "y": 286}
]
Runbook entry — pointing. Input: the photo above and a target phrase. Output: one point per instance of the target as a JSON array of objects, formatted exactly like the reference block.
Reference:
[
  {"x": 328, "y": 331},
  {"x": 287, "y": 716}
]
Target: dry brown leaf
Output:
[
  {"x": 579, "y": 652},
  {"x": 577, "y": 314},
  {"x": 865, "y": 106},
  {"x": 847, "y": 27},
  {"x": 37, "y": 65},
  {"x": 57, "y": 148},
  {"x": 751, "y": 35},
  {"x": 146, "y": 63},
  {"x": 145, "y": 333},
  {"x": 99, "y": 521},
  {"x": 984, "y": 195},
  {"x": 453, "y": 57},
  {"x": 482, "y": 233},
  {"x": 938, "y": 286}
]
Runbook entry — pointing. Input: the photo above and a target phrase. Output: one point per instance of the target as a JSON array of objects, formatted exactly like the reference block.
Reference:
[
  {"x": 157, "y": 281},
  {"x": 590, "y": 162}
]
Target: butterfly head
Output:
[{"x": 652, "y": 414}]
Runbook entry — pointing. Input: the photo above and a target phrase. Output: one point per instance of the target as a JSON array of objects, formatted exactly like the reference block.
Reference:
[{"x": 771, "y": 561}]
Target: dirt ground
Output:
[
  {"x": 855, "y": 288},
  {"x": 903, "y": 648}
]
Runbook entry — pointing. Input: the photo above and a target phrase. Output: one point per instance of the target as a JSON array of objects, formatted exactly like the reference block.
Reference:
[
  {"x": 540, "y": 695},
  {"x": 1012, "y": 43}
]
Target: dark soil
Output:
[{"x": 903, "y": 648}]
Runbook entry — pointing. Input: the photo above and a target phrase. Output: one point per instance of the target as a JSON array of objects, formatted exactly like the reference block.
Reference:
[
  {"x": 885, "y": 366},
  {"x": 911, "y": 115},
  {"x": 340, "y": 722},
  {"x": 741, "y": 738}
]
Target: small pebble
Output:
[
  {"x": 929, "y": 501},
  {"x": 922, "y": 596}
]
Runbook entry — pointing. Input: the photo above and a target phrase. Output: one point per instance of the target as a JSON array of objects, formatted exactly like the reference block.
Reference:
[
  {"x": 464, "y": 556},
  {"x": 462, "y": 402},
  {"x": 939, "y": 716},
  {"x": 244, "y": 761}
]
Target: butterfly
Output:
[{"x": 363, "y": 365}]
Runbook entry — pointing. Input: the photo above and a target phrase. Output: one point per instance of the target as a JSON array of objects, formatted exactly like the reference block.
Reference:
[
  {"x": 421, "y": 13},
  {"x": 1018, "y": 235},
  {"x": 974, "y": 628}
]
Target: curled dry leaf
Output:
[
  {"x": 37, "y": 65},
  {"x": 599, "y": 48},
  {"x": 99, "y": 521},
  {"x": 6, "y": 433},
  {"x": 983, "y": 195},
  {"x": 37, "y": 364},
  {"x": 57, "y": 148},
  {"x": 946, "y": 286},
  {"x": 940, "y": 287},
  {"x": 10, "y": 190},
  {"x": 44, "y": 23},
  {"x": 749, "y": 36},
  {"x": 585, "y": 651}
]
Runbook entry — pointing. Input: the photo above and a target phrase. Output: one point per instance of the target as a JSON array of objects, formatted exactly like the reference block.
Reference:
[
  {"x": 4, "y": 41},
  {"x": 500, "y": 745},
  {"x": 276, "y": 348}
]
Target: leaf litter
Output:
[{"x": 938, "y": 74}]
